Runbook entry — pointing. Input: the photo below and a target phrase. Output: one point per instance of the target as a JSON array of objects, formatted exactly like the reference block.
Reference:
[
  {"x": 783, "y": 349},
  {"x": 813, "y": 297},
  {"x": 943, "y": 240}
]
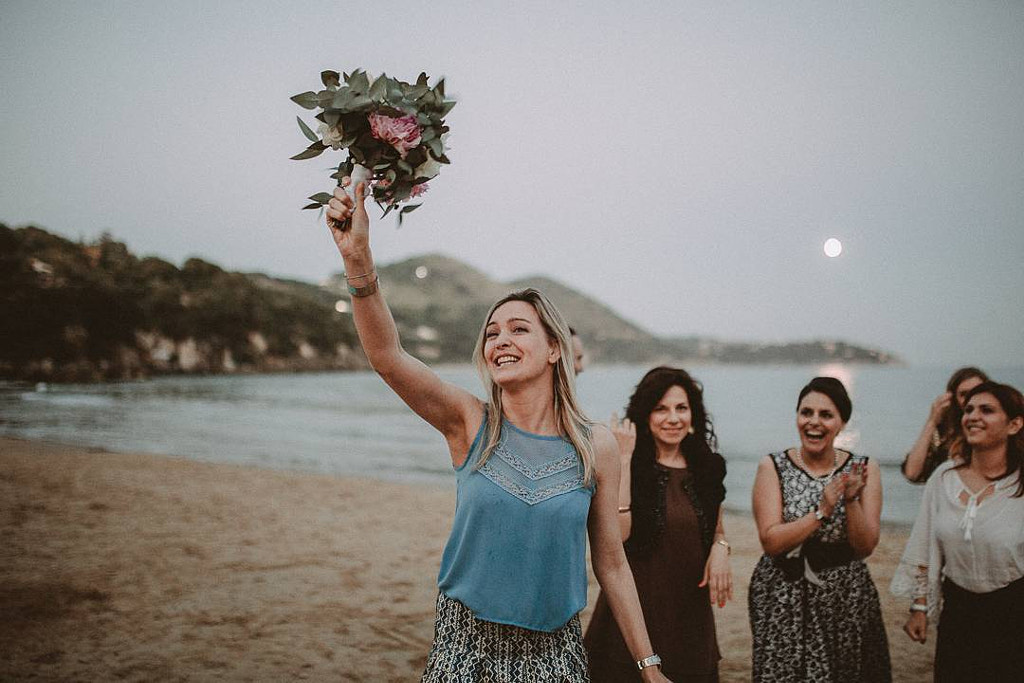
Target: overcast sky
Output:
[{"x": 683, "y": 162}]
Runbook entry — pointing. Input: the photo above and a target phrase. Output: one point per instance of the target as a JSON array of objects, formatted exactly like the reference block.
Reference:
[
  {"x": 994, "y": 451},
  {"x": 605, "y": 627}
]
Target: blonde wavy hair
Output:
[{"x": 573, "y": 424}]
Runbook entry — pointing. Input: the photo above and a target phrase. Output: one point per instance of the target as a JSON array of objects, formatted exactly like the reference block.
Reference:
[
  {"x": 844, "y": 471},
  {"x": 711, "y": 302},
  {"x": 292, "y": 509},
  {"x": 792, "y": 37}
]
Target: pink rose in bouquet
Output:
[
  {"x": 402, "y": 133},
  {"x": 393, "y": 132}
]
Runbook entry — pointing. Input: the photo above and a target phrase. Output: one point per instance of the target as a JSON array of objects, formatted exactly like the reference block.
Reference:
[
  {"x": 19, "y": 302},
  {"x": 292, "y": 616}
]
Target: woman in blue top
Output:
[{"x": 534, "y": 476}]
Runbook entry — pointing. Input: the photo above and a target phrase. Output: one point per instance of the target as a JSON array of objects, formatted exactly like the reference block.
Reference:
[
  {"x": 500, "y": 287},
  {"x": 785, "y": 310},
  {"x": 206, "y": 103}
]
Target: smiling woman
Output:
[
  {"x": 534, "y": 477},
  {"x": 965, "y": 556},
  {"x": 814, "y": 611}
]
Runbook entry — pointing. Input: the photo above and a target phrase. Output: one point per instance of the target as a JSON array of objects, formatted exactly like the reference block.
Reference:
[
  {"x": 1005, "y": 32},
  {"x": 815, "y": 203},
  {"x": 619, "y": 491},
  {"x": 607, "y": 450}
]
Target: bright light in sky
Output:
[{"x": 833, "y": 247}]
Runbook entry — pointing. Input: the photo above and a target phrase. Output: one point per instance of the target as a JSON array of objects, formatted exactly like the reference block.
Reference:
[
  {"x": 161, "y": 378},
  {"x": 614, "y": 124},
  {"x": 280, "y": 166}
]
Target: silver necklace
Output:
[{"x": 803, "y": 464}]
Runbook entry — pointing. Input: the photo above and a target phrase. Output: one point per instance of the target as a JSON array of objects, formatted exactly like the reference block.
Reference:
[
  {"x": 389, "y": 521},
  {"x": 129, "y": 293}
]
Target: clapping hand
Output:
[
  {"x": 855, "y": 480},
  {"x": 830, "y": 495}
]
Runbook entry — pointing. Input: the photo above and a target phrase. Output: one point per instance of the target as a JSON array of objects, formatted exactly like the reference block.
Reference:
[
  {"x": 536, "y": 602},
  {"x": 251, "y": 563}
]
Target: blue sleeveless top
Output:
[{"x": 517, "y": 551}]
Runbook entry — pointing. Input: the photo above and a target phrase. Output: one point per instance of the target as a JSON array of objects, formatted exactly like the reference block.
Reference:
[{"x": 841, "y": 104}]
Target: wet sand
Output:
[{"x": 148, "y": 568}]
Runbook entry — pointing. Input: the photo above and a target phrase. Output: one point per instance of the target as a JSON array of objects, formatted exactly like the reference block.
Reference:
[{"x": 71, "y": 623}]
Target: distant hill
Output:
[
  {"x": 82, "y": 312},
  {"x": 440, "y": 314}
]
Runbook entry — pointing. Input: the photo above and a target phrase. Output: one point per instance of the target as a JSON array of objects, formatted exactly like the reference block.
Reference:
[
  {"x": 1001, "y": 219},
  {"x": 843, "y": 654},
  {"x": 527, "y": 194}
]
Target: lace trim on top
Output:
[{"x": 531, "y": 468}]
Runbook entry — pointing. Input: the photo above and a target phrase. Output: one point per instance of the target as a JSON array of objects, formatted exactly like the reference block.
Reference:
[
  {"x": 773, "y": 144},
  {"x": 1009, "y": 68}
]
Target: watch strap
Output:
[{"x": 652, "y": 660}]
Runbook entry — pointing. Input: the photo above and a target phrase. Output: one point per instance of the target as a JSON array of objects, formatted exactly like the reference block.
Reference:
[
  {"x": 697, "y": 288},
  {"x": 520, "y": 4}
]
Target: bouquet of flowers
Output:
[{"x": 394, "y": 133}]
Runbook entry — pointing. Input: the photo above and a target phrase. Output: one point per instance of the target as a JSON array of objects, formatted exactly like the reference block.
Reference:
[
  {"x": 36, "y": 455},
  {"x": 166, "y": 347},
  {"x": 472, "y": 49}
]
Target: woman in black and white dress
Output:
[{"x": 814, "y": 610}]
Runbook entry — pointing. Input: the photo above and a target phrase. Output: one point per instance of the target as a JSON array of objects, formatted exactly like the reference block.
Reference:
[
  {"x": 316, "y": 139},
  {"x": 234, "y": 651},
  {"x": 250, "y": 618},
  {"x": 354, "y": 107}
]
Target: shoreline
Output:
[{"x": 147, "y": 567}]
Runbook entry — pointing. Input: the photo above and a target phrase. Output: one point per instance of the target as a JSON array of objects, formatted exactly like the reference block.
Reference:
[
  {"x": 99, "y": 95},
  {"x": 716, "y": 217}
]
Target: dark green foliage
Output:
[{"x": 64, "y": 303}]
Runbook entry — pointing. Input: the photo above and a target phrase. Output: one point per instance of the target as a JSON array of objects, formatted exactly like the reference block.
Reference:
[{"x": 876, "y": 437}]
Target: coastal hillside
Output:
[
  {"x": 86, "y": 312},
  {"x": 76, "y": 311}
]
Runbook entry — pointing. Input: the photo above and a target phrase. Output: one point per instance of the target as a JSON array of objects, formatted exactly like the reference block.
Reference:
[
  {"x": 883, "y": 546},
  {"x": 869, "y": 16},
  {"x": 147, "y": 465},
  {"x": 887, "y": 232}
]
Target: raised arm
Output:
[
  {"x": 776, "y": 535},
  {"x": 625, "y": 442},
  {"x": 913, "y": 464},
  {"x": 451, "y": 410},
  {"x": 609, "y": 559}
]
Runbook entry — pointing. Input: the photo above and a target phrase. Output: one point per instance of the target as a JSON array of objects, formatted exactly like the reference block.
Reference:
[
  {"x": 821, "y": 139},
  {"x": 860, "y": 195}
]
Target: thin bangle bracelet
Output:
[{"x": 625, "y": 509}]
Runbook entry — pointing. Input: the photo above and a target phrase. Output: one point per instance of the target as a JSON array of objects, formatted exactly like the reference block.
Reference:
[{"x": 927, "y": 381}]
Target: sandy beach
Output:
[{"x": 147, "y": 568}]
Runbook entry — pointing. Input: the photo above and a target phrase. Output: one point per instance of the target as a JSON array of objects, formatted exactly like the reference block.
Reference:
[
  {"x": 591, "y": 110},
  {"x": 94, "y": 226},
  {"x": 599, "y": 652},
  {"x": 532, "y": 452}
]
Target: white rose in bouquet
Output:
[{"x": 332, "y": 136}]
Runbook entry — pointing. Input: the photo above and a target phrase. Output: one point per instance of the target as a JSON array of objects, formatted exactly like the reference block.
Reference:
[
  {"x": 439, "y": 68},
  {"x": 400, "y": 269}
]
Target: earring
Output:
[{"x": 690, "y": 430}]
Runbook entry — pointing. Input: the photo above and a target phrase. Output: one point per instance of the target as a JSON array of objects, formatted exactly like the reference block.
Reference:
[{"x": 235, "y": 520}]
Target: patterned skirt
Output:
[{"x": 471, "y": 650}]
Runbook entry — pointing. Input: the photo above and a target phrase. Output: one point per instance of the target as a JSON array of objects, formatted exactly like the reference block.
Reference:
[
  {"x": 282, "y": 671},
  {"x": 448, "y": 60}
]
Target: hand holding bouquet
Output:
[{"x": 394, "y": 133}]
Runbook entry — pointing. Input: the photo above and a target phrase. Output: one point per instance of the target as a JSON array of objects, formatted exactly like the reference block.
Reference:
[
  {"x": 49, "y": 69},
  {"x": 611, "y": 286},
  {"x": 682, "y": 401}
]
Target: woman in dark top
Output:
[
  {"x": 942, "y": 428},
  {"x": 670, "y": 496}
]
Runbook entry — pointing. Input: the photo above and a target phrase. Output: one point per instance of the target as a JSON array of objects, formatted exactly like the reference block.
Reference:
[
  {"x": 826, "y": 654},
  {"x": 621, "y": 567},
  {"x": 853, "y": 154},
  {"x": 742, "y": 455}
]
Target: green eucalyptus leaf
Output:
[
  {"x": 422, "y": 80},
  {"x": 405, "y": 210},
  {"x": 387, "y": 210},
  {"x": 443, "y": 159},
  {"x": 331, "y": 117},
  {"x": 312, "y": 206},
  {"x": 436, "y": 147},
  {"x": 378, "y": 88},
  {"x": 359, "y": 82},
  {"x": 314, "y": 150},
  {"x": 360, "y": 102},
  {"x": 330, "y": 78},
  {"x": 427, "y": 134},
  {"x": 404, "y": 165},
  {"x": 306, "y": 100},
  {"x": 306, "y": 130},
  {"x": 439, "y": 88},
  {"x": 322, "y": 197},
  {"x": 341, "y": 99}
]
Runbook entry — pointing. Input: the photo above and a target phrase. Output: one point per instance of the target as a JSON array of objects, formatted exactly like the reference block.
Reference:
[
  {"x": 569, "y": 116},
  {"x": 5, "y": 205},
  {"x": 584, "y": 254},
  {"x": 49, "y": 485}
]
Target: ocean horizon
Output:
[{"x": 351, "y": 424}]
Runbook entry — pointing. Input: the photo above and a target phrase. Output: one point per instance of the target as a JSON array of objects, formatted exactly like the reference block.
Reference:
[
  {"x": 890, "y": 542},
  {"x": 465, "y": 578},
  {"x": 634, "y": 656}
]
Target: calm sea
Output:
[{"x": 351, "y": 423}]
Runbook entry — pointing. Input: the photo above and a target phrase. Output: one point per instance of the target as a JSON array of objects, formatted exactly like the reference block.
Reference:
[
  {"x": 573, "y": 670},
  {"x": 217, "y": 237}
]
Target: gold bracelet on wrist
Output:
[
  {"x": 722, "y": 541},
  {"x": 356, "y": 277}
]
